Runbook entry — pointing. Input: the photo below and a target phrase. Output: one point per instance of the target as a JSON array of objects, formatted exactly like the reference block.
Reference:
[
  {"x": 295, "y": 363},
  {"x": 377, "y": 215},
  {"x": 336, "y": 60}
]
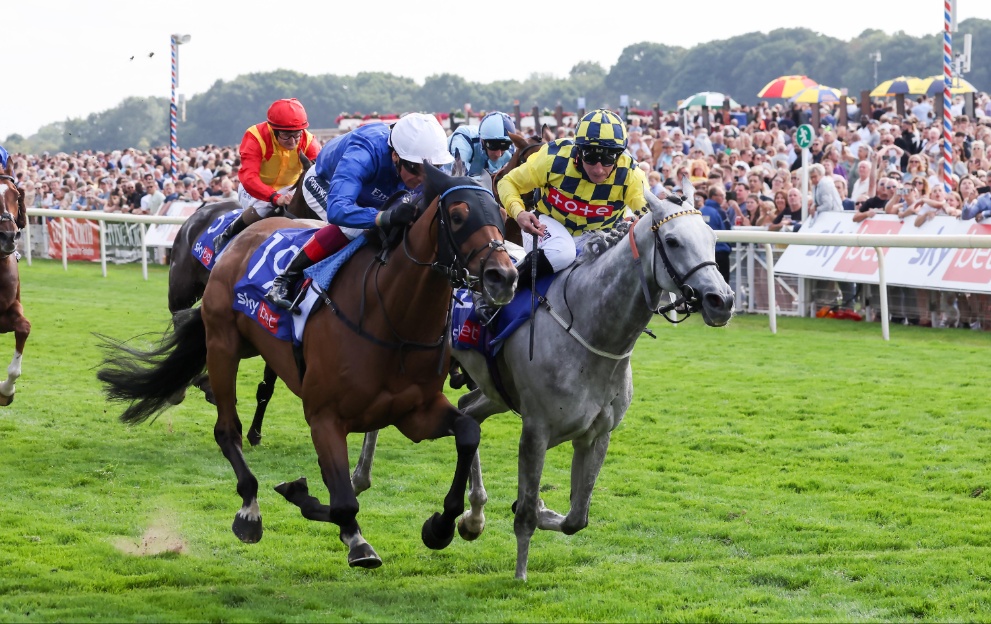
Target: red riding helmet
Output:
[{"x": 287, "y": 114}]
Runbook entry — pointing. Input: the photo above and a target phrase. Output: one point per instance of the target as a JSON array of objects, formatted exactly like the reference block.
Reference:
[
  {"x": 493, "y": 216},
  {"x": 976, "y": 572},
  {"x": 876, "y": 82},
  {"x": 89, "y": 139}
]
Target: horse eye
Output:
[{"x": 672, "y": 242}]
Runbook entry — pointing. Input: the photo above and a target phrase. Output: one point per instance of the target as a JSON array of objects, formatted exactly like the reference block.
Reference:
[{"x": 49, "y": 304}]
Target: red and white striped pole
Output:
[
  {"x": 174, "y": 153},
  {"x": 947, "y": 83}
]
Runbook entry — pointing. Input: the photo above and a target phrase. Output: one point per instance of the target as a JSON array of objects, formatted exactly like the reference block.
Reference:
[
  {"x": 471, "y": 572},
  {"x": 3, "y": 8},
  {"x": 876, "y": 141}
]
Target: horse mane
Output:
[{"x": 600, "y": 241}]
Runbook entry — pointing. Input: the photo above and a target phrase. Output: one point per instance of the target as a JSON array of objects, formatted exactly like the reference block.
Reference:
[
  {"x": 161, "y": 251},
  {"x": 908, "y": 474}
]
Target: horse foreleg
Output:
[
  {"x": 263, "y": 395},
  {"x": 330, "y": 442},
  {"x": 585, "y": 466},
  {"x": 472, "y": 523},
  {"x": 361, "y": 478},
  {"x": 22, "y": 327},
  {"x": 222, "y": 363},
  {"x": 533, "y": 449}
]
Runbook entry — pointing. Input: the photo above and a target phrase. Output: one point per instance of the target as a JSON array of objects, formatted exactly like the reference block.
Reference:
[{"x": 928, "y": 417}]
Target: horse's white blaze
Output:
[
  {"x": 13, "y": 372},
  {"x": 250, "y": 512}
]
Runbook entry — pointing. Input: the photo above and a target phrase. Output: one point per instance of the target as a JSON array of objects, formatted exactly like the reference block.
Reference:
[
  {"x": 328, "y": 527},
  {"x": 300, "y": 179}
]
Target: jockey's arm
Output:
[
  {"x": 635, "y": 187},
  {"x": 522, "y": 179},
  {"x": 251, "y": 163},
  {"x": 356, "y": 169}
]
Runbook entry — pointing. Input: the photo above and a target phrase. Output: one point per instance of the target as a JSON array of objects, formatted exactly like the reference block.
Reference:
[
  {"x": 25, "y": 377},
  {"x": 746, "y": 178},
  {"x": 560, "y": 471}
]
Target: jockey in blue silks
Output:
[
  {"x": 3, "y": 157},
  {"x": 352, "y": 178},
  {"x": 485, "y": 148}
]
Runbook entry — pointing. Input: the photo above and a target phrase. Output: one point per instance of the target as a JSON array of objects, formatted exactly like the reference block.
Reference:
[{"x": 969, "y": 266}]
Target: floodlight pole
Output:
[{"x": 177, "y": 40}]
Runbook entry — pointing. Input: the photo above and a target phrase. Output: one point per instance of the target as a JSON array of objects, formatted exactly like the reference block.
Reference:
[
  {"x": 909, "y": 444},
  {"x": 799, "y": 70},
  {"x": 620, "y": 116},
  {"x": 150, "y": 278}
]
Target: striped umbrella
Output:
[
  {"x": 818, "y": 93},
  {"x": 712, "y": 99},
  {"x": 933, "y": 85},
  {"x": 899, "y": 85},
  {"x": 785, "y": 86}
]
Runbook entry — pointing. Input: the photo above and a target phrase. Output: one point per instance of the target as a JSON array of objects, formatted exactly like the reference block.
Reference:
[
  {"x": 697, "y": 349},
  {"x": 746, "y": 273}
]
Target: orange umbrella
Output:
[{"x": 786, "y": 86}]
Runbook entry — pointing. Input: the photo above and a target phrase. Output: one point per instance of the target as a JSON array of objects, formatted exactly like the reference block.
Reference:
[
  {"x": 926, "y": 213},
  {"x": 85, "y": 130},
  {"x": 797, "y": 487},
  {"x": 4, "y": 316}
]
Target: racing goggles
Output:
[
  {"x": 599, "y": 155},
  {"x": 496, "y": 145}
]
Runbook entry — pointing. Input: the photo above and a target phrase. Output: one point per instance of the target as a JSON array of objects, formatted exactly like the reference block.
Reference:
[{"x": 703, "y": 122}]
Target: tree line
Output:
[{"x": 647, "y": 72}]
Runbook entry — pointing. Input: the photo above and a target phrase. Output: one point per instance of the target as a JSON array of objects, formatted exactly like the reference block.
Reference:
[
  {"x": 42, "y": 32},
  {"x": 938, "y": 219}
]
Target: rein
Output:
[{"x": 455, "y": 270}]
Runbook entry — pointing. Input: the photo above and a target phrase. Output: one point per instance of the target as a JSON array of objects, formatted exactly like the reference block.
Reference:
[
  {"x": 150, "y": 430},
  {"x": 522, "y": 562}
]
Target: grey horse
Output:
[{"x": 579, "y": 383}]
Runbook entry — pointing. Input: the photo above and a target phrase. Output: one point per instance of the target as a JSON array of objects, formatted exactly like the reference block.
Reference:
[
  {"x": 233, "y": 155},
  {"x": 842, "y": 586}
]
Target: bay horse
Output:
[
  {"x": 591, "y": 319},
  {"x": 12, "y": 317},
  {"x": 375, "y": 354},
  {"x": 188, "y": 278}
]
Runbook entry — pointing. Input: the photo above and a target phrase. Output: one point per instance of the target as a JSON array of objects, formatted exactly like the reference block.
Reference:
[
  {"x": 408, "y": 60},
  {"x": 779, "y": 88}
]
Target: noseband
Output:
[{"x": 689, "y": 302}]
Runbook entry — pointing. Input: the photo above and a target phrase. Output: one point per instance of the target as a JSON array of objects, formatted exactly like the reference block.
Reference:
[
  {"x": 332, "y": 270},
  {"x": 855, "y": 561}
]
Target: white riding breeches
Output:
[
  {"x": 560, "y": 247},
  {"x": 262, "y": 206}
]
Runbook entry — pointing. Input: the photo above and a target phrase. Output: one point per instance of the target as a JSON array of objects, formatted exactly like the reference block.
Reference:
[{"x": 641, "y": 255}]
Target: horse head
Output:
[
  {"x": 10, "y": 225},
  {"x": 684, "y": 257},
  {"x": 470, "y": 235}
]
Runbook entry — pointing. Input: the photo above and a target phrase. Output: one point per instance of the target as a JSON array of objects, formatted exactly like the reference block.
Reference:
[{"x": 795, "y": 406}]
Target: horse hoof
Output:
[
  {"x": 431, "y": 538},
  {"x": 466, "y": 534},
  {"x": 289, "y": 488},
  {"x": 364, "y": 556},
  {"x": 248, "y": 531},
  {"x": 254, "y": 437},
  {"x": 6, "y": 400}
]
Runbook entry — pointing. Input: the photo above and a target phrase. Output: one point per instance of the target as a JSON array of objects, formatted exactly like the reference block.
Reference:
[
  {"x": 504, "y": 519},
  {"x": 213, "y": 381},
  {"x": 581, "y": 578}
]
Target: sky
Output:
[{"x": 69, "y": 58}]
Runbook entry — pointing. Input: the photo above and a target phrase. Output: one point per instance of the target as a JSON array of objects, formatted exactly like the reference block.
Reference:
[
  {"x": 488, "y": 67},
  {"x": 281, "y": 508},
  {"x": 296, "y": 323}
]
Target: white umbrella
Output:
[{"x": 712, "y": 99}]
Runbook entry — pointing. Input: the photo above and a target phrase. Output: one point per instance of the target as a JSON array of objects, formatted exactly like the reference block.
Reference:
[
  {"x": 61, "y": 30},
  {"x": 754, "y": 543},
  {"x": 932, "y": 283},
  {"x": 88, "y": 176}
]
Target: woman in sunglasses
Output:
[
  {"x": 270, "y": 164},
  {"x": 585, "y": 183},
  {"x": 486, "y": 147},
  {"x": 352, "y": 178}
]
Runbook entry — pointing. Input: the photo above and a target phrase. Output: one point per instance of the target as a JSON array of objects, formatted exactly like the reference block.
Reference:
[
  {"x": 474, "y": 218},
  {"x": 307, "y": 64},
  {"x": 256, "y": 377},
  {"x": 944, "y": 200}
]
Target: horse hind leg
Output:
[
  {"x": 472, "y": 523},
  {"x": 222, "y": 362},
  {"x": 533, "y": 450},
  {"x": 585, "y": 466}
]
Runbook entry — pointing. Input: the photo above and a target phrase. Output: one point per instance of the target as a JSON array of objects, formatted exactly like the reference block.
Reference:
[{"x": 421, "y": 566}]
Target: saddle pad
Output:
[
  {"x": 270, "y": 258},
  {"x": 468, "y": 331},
  {"x": 323, "y": 272},
  {"x": 203, "y": 249}
]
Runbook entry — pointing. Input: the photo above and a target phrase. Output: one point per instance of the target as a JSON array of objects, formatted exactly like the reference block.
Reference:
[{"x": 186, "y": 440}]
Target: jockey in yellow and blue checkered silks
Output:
[{"x": 566, "y": 193}]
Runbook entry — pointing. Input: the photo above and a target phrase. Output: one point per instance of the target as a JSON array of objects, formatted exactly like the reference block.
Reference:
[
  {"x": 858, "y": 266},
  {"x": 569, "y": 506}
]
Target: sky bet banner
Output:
[{"x": 965, "y": 270}]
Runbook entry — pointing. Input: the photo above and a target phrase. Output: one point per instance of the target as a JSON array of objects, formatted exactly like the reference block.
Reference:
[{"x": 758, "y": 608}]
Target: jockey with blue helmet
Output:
[
  {"x": 486, "y": 147},
  {"x": 352, "y": 178}
]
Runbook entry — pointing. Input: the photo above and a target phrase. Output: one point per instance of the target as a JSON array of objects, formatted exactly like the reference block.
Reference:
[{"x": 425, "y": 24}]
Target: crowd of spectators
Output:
[
  {"x": 126, "y": 181},
  {"x": 882, "y": 163}
]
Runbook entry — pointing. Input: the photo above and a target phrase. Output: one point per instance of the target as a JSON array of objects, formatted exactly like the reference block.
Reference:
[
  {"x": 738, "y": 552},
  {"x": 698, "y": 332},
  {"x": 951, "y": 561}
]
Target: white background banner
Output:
[
  {"x": 965, "y": 270},
  {"x": 163, "y": 234}
]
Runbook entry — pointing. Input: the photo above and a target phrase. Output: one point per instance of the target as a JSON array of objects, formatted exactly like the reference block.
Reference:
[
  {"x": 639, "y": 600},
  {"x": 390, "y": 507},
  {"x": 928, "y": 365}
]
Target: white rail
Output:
[{"x": 877, "y": 241}]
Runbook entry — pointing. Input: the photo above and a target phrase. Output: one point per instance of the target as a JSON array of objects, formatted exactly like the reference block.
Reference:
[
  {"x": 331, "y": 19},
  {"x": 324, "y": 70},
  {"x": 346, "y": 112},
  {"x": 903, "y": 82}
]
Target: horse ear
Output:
[
  {"x": 435, "y": 182},
  {"x": 688, "y": 190},
  {"x": 518, "y": 140},
  {"x": 546, "y": 134},
  {"x": 458, "y": 169}
]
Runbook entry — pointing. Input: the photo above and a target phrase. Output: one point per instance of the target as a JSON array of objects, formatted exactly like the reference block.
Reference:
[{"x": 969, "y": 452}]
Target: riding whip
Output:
[{"x": 533, "y": 289}]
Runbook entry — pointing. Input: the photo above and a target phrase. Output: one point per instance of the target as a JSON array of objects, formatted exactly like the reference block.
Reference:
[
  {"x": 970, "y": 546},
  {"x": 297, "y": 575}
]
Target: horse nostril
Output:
[{"x": 717, "y": 301}]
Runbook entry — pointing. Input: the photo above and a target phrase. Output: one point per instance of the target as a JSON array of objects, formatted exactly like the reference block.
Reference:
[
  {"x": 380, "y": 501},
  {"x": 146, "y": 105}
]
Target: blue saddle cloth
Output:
[
  {"x": 203, "y": 249},
  {"x": 468, "y": 331},
  {"x": 270, "y": 259}
]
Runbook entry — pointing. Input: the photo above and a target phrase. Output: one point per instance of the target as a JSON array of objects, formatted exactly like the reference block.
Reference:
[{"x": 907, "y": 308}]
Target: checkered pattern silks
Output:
[
  {"x": 574, "y": 201},
  {"x": 601, "y": 128}
]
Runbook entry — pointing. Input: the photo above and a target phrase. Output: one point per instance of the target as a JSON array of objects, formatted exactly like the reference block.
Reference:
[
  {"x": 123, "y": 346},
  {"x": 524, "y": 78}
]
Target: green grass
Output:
[{"x": 820, "y": 474}]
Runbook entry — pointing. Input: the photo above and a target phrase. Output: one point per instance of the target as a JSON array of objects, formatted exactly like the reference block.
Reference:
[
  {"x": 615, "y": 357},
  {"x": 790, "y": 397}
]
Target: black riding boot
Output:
[
  {"x": 237, "y": 226},
  {"x": 525, "y": 269},
  {"x": 278, "y": 294}
]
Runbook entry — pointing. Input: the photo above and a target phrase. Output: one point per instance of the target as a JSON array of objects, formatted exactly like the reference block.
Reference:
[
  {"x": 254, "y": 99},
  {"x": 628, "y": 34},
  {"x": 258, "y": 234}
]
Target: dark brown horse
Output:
[
  {"x": 188, "y": 277},
  {"x": 12, "y": 317},
  {"x": 373, "y": 354}
]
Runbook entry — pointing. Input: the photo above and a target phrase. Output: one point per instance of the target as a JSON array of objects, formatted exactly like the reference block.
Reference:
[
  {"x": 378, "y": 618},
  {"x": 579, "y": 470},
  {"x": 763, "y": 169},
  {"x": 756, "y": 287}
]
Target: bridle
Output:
[
  {"x": 450, "y": 262},
  {"x": 5, "y": 215},
  {"x": 689, "y": 302}
]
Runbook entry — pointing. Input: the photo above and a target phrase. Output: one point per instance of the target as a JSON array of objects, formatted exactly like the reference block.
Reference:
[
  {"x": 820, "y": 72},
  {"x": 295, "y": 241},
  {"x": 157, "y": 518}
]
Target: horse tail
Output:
[{"x": 149, "y": 379}]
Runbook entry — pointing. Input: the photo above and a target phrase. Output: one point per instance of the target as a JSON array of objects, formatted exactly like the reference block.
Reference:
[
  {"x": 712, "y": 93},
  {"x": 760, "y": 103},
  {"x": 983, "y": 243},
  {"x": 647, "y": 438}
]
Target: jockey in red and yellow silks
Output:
[{"x": 270, "y": 164}]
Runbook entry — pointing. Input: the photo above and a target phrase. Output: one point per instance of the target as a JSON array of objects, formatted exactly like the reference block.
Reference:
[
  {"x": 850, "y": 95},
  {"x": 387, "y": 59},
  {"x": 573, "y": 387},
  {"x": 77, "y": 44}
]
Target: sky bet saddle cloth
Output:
[
  {"x": 467, "y": 332},
  {"x": 270, "y": 259},
  {"x": 203, "y": 249}
]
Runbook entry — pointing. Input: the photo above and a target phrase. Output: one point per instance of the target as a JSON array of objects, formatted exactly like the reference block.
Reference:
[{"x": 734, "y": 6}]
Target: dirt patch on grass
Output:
[{"x": 159, "y": 538}]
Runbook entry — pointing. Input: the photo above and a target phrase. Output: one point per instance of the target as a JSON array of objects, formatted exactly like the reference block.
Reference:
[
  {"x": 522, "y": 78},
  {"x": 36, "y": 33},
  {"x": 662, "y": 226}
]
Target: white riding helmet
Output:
[{"x": 417, "y": 137}]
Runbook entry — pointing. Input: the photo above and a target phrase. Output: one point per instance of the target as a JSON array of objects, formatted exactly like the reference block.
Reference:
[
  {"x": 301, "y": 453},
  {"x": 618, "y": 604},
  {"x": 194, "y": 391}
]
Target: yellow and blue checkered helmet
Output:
[{"x": 601, "y": 128}]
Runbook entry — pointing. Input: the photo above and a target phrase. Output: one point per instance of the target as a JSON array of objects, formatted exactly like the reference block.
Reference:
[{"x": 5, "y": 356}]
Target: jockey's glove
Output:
[{"x": 399, "y": 215}]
